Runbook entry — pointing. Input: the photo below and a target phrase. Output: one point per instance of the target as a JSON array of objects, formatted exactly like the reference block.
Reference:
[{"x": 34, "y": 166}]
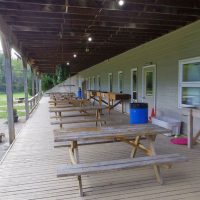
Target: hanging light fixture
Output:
[
  {"x": 75, "y": 55},
  {"x": 121, "y": 2},
  {"x": 68, "y": 63},
  {"x": 89, "y": 39}
]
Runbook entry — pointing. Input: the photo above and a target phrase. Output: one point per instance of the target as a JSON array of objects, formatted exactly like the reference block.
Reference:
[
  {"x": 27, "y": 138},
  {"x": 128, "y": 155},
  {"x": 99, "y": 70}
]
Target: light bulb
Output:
[
  {"x": 90, "y": 39},
  {"x": 121, "y": 2}
]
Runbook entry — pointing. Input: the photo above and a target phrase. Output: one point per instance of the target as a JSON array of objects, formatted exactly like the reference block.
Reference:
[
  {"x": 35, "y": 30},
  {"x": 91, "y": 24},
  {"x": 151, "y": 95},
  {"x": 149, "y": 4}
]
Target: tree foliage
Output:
[
  {"x": 47, "y": 82},
  {"x": 17, "y": 75},
  {"x": 61, "y": 74}
]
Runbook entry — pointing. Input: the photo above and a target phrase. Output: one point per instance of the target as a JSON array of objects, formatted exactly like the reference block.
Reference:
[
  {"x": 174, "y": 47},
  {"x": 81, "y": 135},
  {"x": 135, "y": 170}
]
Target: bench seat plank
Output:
[
  {"x": 76, "y": 121},
  {"x": 82, "y": 143},
  {"x": 91, "y": 168},
  {"x": 76, "y": 129},
  {"x": 77, "y": 115}
]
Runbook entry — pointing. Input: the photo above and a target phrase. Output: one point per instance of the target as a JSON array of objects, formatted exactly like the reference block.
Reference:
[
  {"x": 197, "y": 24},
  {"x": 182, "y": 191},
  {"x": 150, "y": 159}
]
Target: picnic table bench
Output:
[
  {"x": 131, "y": 135},
  {"x": 83, "y": 109}
]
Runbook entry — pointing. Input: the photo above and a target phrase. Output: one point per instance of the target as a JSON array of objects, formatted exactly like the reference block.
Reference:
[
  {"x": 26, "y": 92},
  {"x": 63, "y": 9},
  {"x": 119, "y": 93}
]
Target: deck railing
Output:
[{"x": 33, "y": 102}]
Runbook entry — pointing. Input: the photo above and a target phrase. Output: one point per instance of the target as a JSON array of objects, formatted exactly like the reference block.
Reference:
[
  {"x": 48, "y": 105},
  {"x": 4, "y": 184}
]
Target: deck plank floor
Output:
[{"x": 29, "y": 169}]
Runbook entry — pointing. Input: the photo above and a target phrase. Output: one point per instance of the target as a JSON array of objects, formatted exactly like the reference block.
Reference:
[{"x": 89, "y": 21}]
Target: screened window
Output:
[
  {"x": 90, "y": 83},
  {"x": 99, "y": 82},
  {"x": 189, "y": 82},
  {"x": 94, "y": 83},
  {"x": 149, "y": 83},
  {"x": 134, "y": 84}
]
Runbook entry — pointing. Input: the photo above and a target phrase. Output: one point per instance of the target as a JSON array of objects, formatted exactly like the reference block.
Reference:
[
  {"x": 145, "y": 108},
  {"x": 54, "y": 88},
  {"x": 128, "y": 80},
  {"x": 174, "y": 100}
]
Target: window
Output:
[
  {"x": 189, "y": 82},
  {"x": 89, "y": 80},
  {"x": 149, "y": 83},
  {"x": 134, "y": 84},
  {"x": 94, "y": 83},
  {"x": 120, "y": 81},
  {"x": 99, "y": 82},
  {"x": 87, "y": 85},
  {"x": 110, "y": 82}
]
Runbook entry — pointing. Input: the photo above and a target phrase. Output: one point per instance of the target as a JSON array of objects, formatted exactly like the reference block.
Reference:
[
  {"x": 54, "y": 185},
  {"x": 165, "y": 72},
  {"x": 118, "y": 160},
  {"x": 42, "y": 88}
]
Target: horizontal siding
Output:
[{"x": 165, "y": 52}]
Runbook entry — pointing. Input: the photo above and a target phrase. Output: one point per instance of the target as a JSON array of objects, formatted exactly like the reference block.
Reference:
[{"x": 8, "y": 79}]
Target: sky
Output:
[{"x": 13, "y": 52}]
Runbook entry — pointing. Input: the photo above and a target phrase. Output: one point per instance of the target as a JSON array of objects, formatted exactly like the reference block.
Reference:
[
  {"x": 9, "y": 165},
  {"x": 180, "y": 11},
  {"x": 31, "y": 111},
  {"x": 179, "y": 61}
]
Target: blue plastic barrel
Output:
[
  {"x": 138, "y": 113},
  {"x": 79, "y": 93}
]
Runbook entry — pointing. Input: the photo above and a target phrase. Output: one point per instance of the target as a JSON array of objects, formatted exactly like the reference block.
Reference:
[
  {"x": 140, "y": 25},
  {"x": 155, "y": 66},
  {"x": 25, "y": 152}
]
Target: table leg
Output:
[
  {"x": 109, "y": 106},
  {"x": 98, "y": 116},
  {"x": 100, "y": 104},
  {"x": 136, "y": 142},
  {"x": 75, "y": 160},
  {"x": 151, "y": 141},
  {"x": 60, "y": 116}
]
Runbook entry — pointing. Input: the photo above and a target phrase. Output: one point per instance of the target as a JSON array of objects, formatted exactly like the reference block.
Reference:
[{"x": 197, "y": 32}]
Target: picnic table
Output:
[
  {"x": 83, "y": 110},
  {"x": 110, "y": 99},
  {"x": 130, "y": 134},
  {"x": 69, "y": 102}
]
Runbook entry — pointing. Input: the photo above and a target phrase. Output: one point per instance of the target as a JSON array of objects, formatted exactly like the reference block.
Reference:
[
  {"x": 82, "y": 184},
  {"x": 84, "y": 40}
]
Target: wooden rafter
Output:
[{"x": 38, "y": 25}]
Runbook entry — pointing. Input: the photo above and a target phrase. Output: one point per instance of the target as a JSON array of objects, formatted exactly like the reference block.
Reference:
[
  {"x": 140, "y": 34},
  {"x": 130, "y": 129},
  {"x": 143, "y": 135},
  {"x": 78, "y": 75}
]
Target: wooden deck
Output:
[{"x": 29, "y": 170}]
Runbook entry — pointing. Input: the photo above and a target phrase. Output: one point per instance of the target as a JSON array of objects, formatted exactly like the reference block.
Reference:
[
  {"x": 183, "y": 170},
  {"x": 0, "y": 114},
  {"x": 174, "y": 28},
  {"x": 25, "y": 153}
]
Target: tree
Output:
[{"x": 61, "y": 74}]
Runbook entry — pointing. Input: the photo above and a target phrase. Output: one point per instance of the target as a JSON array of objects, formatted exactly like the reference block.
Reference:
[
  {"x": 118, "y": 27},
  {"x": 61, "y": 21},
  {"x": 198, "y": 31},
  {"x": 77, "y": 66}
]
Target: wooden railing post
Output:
[
  {"x": 26, "y": 88},
  {"x": 33, "y": 83}
]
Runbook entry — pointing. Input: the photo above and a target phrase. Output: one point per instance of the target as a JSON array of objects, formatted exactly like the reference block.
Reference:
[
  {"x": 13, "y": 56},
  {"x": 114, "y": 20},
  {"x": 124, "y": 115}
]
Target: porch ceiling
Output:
[{"x": 49, "y": 32}]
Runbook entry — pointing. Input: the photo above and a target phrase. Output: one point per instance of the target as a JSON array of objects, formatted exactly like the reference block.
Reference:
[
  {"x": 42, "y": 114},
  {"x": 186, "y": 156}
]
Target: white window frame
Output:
[
  {"x": 94, "y": 82},
  {"x": 109, "y": 82},
  {"x": 154, "y": 83},
  {"x": 120, "y": 72},
  {"x": 182, "y": 84},
  {"x": 89, "y": 82},
  {"x": 99, "y": 82}
]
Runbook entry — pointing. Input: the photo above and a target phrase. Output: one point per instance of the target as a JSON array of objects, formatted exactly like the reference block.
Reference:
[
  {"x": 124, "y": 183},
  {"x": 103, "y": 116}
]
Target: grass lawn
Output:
[{"x": 19, "y": 106}]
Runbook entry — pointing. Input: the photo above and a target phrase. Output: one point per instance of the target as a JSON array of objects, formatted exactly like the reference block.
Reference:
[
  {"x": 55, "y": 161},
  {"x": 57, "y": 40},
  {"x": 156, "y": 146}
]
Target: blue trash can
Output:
[
  {"x": 138, "y": 113},
  {"x": 79, "y": 93}
]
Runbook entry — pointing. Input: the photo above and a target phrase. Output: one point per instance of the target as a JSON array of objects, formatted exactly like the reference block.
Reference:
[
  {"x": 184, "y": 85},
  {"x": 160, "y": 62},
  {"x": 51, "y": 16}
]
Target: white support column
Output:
[
  {"x": 9, "y": 92},
  {"x": 26, "y": 88}
]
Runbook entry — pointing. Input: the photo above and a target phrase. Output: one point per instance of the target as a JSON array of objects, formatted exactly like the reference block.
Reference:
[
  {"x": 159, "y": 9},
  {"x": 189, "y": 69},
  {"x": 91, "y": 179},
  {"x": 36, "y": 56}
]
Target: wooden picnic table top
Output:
[
  {"x": 67, "y": 100},
  {"x": 85, "y": 108},
  {"x": 128, "y": 131}
]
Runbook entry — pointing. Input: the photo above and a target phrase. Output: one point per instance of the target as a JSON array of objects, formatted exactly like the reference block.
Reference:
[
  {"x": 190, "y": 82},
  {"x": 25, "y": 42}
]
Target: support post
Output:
[
  {"x": 9, "y": 91},
  {"x": 33, "y": 83},
  {"x": 40, "y": 86},
  {"x": 26, "y": 88},
  {"x": 37, "y": 83},
  {"x": 190, "y": 129}
]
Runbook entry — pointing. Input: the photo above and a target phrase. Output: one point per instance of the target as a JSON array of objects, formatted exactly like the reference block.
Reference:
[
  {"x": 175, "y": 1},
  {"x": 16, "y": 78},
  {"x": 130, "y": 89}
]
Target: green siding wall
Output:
[{"x": 165, "y": 52}]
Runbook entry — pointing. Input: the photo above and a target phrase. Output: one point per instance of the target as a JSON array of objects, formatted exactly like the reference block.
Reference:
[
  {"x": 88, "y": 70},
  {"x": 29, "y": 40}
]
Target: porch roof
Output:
[{"x": 49, "y": 32}]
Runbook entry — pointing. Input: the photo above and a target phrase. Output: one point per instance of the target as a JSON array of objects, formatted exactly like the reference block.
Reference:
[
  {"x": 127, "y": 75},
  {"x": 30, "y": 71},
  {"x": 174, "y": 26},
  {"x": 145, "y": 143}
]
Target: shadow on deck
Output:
[{"x": 29, "y": 170}]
